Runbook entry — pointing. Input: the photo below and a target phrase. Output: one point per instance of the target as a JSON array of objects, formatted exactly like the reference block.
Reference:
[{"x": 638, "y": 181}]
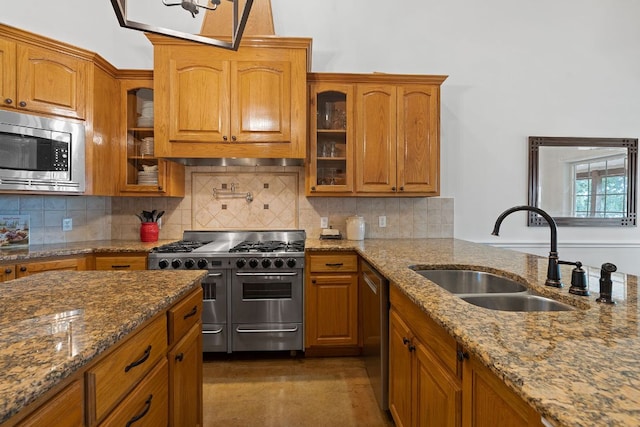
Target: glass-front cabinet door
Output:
[
  {"x": 143, "y": 172},
  {"x": 331, "y": 139}
]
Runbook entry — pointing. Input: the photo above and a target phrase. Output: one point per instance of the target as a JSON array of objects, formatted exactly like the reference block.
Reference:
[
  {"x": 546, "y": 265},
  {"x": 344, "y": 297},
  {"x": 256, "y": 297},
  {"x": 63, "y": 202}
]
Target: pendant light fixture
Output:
[{"x": 193, "y": 7}]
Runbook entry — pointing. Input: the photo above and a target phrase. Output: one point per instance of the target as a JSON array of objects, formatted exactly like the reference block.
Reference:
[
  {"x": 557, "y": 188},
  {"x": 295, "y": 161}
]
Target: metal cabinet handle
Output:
[
  {"x": 116, "y": 267},
  {"x": 8, "y": 271},
  {"x": 147, "y": 406},
  {"x": 23, "y": 268},
  {"x": 295, "y": 329},
  {"x": 179, "y": 357},
  {"x": 401, "y": 188},
  {"x": 143, "y": 359},
  {"x": 224, "y": 138},
  {"x": 193, "y": 312},
  {"x": 393, "y": 188},
  {"x": 22, "y": 104},
  {"x": 313, "y": 188},
  {"x": 334, "y": 264},
  {"x": 233, "y": 138},
  {"x": 214, "y": 332},
  {"x": 405, "y": 340},
  {"x": 8, "y": 101}
]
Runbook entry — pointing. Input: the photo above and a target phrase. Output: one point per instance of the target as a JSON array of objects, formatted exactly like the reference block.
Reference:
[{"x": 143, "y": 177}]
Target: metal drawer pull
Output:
[
  {"x": 147, "y": 406},
  {"x": 294, "y": 273},
  {"x": 193, "y": 312},
  {"x": 295, "y": 329},
  {"x": 179, "y": 357},
  {"x": 335, "y": 264},
  {"x": 369, "y": 282},
  {"x": 121, "y": 266},
  {"x": 217, "y": 331},
  {"x": 146, "y": 355}
]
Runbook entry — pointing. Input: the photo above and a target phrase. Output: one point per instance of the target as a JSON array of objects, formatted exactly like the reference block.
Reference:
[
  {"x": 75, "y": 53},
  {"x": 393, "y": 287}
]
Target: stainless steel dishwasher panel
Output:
[{"x": 374, "y": 306}]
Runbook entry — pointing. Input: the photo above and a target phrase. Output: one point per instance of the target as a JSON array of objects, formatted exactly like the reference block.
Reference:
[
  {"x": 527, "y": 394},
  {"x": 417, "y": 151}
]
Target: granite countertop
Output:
[
  {"x": 577, "y": 368},
  {"x": 51, "y": 328},
  {"x": 78, "y": 248}
]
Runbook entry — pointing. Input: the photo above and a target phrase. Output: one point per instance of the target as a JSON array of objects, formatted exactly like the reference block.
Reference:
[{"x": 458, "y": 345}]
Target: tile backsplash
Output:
[
  {"x": 278, "y": 203},
  {"x": 91, "y": 216}
]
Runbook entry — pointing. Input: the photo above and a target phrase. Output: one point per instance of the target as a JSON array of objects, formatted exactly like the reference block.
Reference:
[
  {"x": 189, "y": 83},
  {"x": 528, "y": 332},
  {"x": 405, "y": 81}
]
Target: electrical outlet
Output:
[
  {"x": 159, "y": 221},
  {"x": 324, "y": 222},
  {"x": 382, "y": 221},
  {"x": 67, "y": 224}
]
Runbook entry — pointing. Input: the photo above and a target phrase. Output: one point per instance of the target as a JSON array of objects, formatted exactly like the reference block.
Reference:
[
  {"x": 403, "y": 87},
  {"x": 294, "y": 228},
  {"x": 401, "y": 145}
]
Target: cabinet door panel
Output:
[
  {"x": 439, "y": 398},
  {"x": 376, "y": 138},
  {"x": 336, "y": 309},
  {"x": 418, "y": 147},
  {"x": 261, "y": 107},
  {"x": 198, "y": 99},
  {"x": 400, "y": 371},
  {"x": 185, "y": 373},
  {"x": 7, "y": 72},
  {"x": 51, "y": 82}
]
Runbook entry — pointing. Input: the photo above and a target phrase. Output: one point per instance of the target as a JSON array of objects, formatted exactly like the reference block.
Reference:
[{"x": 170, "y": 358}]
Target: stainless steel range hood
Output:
[{"x": 233, "y": 161}]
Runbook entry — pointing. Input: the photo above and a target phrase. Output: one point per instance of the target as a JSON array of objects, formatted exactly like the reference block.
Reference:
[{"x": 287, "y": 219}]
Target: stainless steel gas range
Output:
[{"x": 254, "y": 289}]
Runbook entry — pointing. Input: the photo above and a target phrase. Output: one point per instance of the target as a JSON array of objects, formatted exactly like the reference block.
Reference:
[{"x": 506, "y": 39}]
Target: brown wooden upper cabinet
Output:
[
  {"x": 212, "y": 102},
  {"x": 42, "y": 77},
  {"x": 388, "y": 124}
]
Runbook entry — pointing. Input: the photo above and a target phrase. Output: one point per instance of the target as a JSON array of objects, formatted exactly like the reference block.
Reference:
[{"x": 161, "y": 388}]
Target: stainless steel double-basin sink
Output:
[{"x": 490, "y": 291}]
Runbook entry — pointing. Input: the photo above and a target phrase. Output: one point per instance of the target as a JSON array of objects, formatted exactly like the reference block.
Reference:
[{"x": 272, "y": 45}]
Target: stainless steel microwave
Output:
[{"x": 41, "y": 154}]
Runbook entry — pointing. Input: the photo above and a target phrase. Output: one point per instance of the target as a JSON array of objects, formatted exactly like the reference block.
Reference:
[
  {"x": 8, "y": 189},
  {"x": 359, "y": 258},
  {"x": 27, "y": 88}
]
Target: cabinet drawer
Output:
[
  {"x": 115, "y": 375},
  {"x": 122, "y": 262},
  {"x": 334, "y": 262},
  {"x": 184, "y": 315},
  {"x": 65, "y": 407},
  {"x": 147, "y": 404}
]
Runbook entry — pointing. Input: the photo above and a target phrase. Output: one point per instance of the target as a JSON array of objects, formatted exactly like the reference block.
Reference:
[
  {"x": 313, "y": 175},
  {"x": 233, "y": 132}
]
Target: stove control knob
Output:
[
  {"x": 253, "y": 263},
  {"x": 176, "y": 263},
  {"x": 189, "y": 263},
  {"x": 266, "y": 263},
  {"x": 241, "y": 263},
  {"x": 291, "y": 262},
  {"x": 202, "y": 263},
  {"x": 163, "y": 263},
  {"x": 279, "y": 262}
]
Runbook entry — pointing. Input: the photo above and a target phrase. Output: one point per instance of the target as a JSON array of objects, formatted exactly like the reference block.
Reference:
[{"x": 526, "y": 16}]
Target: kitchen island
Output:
[
  {"x": 575, "y": 368},
  {"x": 53, "y": 325}
]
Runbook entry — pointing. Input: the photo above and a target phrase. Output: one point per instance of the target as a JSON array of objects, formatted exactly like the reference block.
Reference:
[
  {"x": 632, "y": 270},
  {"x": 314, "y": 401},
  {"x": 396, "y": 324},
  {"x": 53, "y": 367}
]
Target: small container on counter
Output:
[
  {"x": 355, "y": 228},
  {"x": 149, "y": 232}
]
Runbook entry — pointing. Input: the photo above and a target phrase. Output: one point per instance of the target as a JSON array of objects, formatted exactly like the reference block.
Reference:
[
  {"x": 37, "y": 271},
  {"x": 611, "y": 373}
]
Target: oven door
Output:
[
  {"x": 215, "y": 333},
  {"x": 267, "y": 297}
]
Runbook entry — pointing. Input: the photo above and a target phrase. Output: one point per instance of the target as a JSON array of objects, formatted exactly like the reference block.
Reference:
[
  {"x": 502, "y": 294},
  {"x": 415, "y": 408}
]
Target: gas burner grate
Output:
[
  {"x": 268, "y": 246},
  {"x": 180, "y": 246}
]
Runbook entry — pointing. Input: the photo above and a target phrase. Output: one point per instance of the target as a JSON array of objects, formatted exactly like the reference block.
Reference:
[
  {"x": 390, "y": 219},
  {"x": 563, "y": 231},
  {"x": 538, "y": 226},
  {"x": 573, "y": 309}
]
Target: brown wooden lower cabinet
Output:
[
  {"x": 66, "y": 407},
  {"x": 331, "y": 304},
  {"x": 421, "y": 391},
  {"x": 76, "y": 263},
  {"x": 121, "y": 261},
  {"x": 152, "y": 378},
  {"x": 433, "y": 382},
  {"x": 488, "y": 402}
]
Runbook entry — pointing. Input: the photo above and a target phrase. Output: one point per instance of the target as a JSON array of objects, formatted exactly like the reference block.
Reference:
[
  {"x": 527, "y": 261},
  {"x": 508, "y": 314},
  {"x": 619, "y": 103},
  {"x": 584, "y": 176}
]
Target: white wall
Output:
[{"x": 516, "y": 68}]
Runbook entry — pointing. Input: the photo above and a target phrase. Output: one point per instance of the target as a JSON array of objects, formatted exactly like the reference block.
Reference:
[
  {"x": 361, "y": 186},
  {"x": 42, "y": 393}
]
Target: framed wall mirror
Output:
[{"x": 589, "y": 182}]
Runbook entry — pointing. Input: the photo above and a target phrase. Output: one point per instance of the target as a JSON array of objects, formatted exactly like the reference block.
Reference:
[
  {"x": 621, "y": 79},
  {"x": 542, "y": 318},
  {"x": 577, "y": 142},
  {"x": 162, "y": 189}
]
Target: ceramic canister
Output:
[{"x": 355, "y": 228}]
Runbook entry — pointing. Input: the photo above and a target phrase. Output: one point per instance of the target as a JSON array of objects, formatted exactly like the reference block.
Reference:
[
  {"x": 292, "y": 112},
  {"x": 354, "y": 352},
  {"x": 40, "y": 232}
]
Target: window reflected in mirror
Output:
[{"x": 583, "y": 181}]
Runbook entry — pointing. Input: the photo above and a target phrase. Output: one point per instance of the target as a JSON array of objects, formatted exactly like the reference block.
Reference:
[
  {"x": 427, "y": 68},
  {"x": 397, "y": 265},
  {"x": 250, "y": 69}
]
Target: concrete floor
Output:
[{"x": 280, "y": 390}]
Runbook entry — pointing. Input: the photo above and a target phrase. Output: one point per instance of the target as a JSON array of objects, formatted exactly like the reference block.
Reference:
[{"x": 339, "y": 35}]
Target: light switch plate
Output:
[
  {"x": 324, "y": 222},
  {"x": 67, "y": 224},
  {"x": 382, "y": 221}
]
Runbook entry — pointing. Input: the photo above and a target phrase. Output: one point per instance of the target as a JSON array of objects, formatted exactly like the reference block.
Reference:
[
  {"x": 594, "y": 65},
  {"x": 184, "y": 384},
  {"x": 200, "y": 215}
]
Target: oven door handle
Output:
[
  {"x": 292, "y": 273},
  {"x": 214, "y": 332},
  {"x": 247, "y": 331}
]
